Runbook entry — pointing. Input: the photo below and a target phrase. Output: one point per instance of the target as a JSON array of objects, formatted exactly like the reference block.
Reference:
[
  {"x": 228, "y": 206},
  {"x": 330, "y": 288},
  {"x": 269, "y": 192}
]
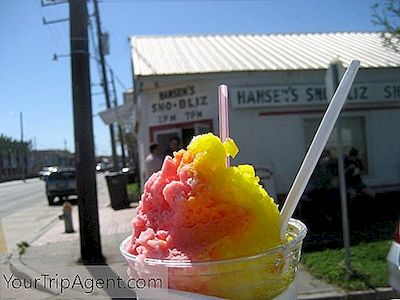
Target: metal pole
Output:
[
  {"x": 83, "y": 129},
  {"x": 120, "y": 132},
  {"x": 105, "y": 82},
  {"x": 23, "y": 160},
  {"x": 342, "y": 181},
  {"x": 21, "y": 124},
  {"x": 343, "y": 196}
]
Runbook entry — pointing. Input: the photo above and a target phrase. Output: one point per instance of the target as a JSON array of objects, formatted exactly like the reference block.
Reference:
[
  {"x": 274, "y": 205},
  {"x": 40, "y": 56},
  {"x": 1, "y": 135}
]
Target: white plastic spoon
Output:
[{"x": 317, "y": 145}]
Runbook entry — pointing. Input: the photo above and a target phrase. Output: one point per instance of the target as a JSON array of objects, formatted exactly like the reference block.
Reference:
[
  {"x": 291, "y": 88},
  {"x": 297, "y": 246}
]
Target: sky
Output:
[{"x": 33, "y": 83}]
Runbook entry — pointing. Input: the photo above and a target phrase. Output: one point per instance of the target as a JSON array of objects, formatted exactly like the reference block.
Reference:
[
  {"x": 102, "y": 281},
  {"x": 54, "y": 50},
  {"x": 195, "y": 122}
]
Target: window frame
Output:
[{"x": 345, "y": 115}]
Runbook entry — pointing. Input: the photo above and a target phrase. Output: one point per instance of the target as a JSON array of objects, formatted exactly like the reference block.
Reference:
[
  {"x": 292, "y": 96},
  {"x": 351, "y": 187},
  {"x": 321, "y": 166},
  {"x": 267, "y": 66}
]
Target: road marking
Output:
[{"x": 3, "y": 245}]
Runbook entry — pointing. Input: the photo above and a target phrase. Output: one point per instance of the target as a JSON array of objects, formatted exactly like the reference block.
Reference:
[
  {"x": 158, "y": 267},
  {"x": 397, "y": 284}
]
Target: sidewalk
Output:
[
  {"x": 111, "y": 221},
  {"x": 56, "y": 250}
]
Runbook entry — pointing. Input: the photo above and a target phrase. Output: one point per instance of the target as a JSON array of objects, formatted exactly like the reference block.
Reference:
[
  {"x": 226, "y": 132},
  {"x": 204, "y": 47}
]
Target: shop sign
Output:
[
  {"x": 307, "y": 95},
  {"x": 177, "y": 105}
]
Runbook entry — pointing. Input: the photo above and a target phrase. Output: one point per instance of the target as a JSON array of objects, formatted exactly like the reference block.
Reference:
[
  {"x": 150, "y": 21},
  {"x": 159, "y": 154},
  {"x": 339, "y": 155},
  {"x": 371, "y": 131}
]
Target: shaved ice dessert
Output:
[{"x": 213, "y": 227}]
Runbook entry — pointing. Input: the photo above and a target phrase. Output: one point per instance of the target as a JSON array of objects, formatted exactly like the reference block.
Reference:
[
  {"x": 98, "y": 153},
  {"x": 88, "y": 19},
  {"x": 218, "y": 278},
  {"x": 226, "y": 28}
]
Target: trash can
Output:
[
  {"x": 132, "y": 177},
  {"x": 117, "y": 188}
]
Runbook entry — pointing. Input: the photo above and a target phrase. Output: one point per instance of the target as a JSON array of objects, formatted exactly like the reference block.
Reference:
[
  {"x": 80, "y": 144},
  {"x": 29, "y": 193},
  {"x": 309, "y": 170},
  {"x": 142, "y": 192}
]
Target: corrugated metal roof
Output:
[{"x": 166, "y": 55}]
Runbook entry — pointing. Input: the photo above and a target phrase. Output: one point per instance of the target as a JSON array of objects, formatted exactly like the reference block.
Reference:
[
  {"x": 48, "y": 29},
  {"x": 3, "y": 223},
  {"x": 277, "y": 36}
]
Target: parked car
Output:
[
  {"x": 46, "y": 171},
  {"x": 61, "y": 183},
  {"x": 393, "y": 260},
  {"x": 100, "y": 167},
  {"x": 103, "y": 167}
]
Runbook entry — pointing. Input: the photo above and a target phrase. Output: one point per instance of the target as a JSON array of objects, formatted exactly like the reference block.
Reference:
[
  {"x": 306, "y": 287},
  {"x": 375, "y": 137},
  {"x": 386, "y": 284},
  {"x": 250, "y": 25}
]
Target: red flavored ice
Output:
[{"x": 197, "y": 209}]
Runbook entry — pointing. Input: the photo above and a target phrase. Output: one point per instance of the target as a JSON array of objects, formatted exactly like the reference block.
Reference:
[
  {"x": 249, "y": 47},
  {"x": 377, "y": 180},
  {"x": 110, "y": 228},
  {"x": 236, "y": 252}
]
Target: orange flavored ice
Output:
[{"x": 197, "y": 209}]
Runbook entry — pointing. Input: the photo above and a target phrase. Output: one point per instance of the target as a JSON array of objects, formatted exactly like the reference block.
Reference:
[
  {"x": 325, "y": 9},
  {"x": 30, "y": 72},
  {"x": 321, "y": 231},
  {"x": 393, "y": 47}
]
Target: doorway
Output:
[{"x": 183, "y": 131}]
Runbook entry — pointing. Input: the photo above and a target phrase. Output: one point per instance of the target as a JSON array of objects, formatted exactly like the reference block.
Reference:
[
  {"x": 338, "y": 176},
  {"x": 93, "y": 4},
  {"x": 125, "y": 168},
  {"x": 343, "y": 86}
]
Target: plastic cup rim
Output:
[{"x": 288, "y": 246}]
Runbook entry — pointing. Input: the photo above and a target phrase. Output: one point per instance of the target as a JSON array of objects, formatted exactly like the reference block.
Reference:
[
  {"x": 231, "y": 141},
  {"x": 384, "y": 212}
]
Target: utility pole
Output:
[
  {"x": 21, "y": 126},
  {"x": 105, "y": 82},
  {"x": 120, "y": 133},
  {"x": 91, "y": 252},
  {"x": 24, "y": 160}
]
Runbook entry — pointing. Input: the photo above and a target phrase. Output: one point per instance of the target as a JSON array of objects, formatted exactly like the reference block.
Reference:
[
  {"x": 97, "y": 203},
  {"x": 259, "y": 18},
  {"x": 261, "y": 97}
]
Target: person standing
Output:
[
  {"x": 153, "y": 161},
  {"x": 354, "y": 169},
  {"x": 174, "y": 145}
]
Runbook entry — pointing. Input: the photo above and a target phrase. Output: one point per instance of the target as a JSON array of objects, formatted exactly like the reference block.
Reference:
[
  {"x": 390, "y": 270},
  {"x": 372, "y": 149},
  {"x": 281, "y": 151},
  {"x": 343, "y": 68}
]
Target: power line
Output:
[
  {"x": 104, "y": 79},
  {"x": 61, "y": 37},
  {"x": 95, "y": 49},
  {"x": 119, "y": 126},
  {"x": 61, "y": 44},
  {"x": 116, "y": 77},
  {"x": 54, "y": 34},
  {"x": 96, "y": 56},
  {"x": 50, "y": 20},
  {"x": 120, "y": 82}
]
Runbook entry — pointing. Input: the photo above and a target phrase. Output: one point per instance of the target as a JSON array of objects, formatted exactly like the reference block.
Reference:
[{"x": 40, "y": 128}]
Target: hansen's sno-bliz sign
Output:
[
  {"x": 305, "y": 95},
  {"x": 178, "y": 105}
]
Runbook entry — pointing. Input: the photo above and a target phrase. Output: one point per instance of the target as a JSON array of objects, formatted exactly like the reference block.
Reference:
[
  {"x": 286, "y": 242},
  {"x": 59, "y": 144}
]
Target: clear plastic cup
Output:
[{"x": 262, "y": 276}]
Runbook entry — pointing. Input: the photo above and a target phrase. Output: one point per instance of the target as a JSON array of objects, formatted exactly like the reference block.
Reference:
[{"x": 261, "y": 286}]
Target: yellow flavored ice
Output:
[
  {"x": 214, "y": 225},
  {"x": 196, "y": 208}
]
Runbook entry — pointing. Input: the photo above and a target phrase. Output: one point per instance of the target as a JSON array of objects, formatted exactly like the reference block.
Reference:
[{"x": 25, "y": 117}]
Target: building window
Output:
[{"x": 353, "y": 136}]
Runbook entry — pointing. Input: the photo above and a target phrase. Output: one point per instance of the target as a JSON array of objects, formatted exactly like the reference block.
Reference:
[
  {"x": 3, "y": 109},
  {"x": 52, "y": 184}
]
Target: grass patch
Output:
[
  {"x": 368, "y": 261},
  {"x": 133, "y": 190},
  {"x": 376, "y": 231}
]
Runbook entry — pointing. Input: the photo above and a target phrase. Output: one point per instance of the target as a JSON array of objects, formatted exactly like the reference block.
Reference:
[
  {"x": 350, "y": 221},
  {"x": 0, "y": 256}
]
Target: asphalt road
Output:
[
  {"x": 24, "y": 211},
  {"x": 17, "y": 195}
]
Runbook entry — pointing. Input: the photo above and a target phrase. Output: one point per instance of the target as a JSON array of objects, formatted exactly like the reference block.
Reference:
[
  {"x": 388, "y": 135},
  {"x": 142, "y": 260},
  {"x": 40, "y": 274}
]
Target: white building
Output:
[{"x": 276, "y": 94}]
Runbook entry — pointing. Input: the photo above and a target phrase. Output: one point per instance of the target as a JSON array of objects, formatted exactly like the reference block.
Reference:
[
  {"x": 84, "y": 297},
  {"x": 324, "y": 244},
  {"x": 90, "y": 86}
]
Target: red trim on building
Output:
[{"x": 322, "y": 110}]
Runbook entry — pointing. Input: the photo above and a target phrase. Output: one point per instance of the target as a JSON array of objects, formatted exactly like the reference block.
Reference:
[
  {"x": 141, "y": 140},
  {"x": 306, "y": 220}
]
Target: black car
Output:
[{"x": 61, "y": 183}]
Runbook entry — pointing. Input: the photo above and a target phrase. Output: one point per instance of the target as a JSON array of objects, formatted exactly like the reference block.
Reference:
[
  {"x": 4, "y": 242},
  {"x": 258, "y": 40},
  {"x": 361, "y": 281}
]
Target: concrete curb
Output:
[
  {"x": 377, "y": 294},
  {"x": 21, "y": 271}
]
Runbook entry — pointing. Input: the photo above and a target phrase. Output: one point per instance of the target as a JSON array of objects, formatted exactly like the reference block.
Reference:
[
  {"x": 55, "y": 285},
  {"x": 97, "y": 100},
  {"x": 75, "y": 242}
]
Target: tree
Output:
[
  {"x": 11, "y": 148},
  {"x": 387, "y": 16}
]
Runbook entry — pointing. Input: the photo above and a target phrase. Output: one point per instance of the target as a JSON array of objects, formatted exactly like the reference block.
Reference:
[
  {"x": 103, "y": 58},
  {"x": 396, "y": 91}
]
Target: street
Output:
[
  {"x": 24, "y": 212},
  {"x": 17, "y": 195},
  {"x": 26, "y": 216}
]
